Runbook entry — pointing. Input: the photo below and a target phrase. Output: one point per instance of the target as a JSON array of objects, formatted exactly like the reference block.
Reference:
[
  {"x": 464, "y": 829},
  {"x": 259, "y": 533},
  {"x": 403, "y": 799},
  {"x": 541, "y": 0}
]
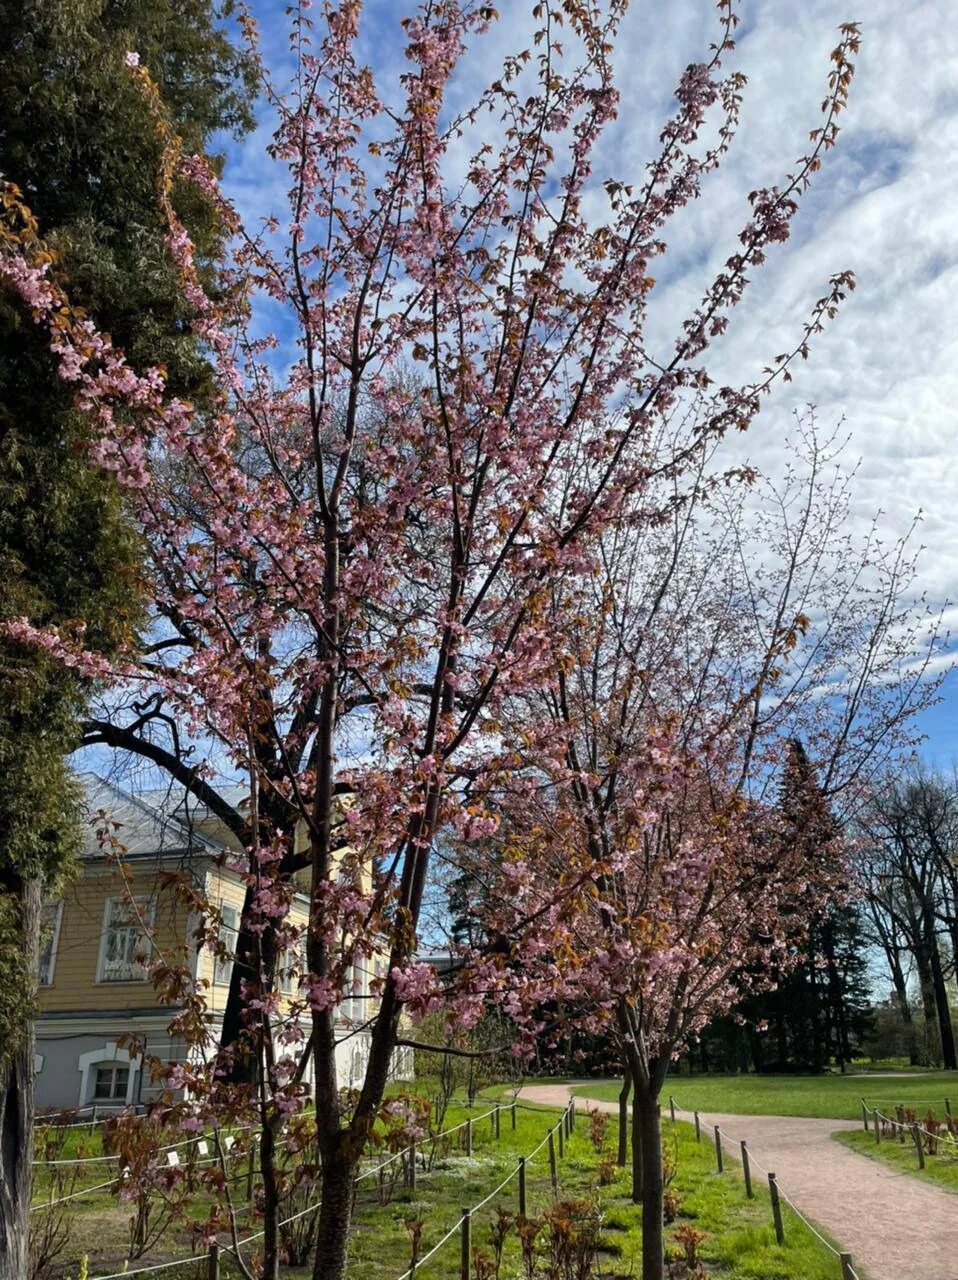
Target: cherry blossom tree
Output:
[
  {"x": 360, "y": 553},
  {"x": 690, "y": 839}
]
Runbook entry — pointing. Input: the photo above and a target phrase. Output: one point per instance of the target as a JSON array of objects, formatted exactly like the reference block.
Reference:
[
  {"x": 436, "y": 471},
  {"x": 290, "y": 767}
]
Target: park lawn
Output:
[
  {"x": 941, "y": 1169},
  {"x": 739, "y": 1239},
  {"x": 829, "y": 1097}
]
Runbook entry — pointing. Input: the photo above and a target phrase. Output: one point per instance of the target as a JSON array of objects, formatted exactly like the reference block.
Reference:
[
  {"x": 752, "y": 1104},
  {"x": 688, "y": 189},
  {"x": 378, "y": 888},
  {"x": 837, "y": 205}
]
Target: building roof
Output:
[{"x": 143, "y": 828}]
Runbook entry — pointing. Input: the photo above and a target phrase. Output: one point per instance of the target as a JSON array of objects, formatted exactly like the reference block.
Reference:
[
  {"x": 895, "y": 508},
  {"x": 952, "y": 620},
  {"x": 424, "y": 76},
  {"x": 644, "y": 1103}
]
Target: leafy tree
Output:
[{"x": 76, "y": 138}]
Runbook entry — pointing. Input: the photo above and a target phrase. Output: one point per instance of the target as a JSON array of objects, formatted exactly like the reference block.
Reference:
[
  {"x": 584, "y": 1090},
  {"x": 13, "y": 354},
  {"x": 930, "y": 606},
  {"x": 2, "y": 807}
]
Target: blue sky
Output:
[{"x": 886, "y": 207}]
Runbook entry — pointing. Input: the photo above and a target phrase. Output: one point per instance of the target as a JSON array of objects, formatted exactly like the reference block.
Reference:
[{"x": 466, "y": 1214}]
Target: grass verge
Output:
[
  {"x": 942, "y": 1168},
  {"x": 829, "y": 1097}
]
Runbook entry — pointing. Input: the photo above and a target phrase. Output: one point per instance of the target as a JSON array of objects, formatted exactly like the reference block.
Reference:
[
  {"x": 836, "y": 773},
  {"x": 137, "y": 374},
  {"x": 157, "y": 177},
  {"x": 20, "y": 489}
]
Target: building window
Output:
[
  {"x": 229, "y": 932},
  {"x": 49, "y": 940},
  {"x": 111, "y": 1082},
  {"x": 125, "y": 950}
]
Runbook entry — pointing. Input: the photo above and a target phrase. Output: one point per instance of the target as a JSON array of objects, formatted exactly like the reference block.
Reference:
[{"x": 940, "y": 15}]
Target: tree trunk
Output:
[
  {"x": 932, "y": 1053},
  {"x": 942, "y": 1009},
  {"x": 646, "y": 1106},
  {"x": 16, "y": 1100},
  {"x": 624, "y": 1119},
  {"x": 638, "y": 1162},
  {"x": 332, "y": 1234}
]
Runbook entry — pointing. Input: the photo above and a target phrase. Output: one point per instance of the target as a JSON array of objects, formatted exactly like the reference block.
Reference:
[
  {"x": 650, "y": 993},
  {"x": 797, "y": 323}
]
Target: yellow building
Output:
[{"x": 94, "y": 986}]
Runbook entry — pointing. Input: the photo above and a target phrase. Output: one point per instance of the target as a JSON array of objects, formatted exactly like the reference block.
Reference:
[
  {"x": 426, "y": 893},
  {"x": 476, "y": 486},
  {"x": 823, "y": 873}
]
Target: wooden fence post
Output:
[
  {"x": 672, "y": 1108},
  {"x": 900, "y": 1117},
  {"x": 698, "y": 1128},
  {"x": 919, "y": 1149},
  {"x": 498, "y": 1129},
  {"x": 776, "y": 1208},
  {"x": 561, "y": 1127},
  {"x": 571, "y": 1116},
  {"x": 513, "y": 1109},
  {"x": 877, "y": 1128},
  {"x": 553, "y": 1173},
  {"x": 213, "y": 1271},
  {"x": 465, "y": 1256},
  {"x": 522, "y": 1186},
  {"x": 747, "y": 1170},
  {"x": 718, "y": 1148},
  {"x": 864, "y": 1115},
  {"x": 250, "y": 1168},
  {"x": 412, "y": 1167},
  {"x": 847, "y": 1271},
  {"x": 948, "y": 1111},
  {"x": 469, "y": 1136}
]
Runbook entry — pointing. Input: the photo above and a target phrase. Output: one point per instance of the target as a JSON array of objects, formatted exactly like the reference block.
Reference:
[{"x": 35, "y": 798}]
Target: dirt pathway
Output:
[{"x": 895, "y": 1226}]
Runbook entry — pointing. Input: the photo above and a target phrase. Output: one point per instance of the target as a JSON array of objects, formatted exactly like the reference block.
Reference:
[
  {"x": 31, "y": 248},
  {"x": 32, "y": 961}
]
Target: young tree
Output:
[
  {"x": 356, "y": 554},
  {"x": 76, "y": 136},
  {"x": 688, "y": 667}
]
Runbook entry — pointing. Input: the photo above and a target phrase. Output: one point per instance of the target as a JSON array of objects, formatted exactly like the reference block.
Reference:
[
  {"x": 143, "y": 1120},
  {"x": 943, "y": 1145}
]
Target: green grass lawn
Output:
[
  {"x": 739, "y": 1239},
  {"x": 738, "y": 1242},
  {"x": 941, "y": 1168},
  {"x": 831, "y": 1097}
]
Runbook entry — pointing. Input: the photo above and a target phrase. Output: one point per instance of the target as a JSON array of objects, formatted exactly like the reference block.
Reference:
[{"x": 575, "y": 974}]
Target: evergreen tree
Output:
[{"x": 76, "y": 138}]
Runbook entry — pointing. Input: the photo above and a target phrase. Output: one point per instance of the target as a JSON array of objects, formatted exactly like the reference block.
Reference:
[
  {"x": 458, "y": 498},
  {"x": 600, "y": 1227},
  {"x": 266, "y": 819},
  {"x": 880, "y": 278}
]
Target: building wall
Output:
[{"x": 77, "y": 984}]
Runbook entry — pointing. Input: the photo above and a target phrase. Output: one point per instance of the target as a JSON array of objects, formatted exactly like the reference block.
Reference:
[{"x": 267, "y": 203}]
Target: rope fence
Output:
[
  {"x": 776, "y": 1194},
  {"x": 216, "y": 1250},
  {"x": 874, "y": 1120}
]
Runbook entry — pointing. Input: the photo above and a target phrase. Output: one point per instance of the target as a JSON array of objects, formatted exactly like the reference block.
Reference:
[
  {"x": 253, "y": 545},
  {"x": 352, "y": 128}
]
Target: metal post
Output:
[
  {"x": 553, "y": 1173},
  {"x": 466, "y": 1251},
  {"x": 672, "y": 1108},
  {"x": 698, "y": 1128},
  {"x": 776, "y": 1209},
  {"x": 919, "y": 1149},
  {"x": 718, "y": 1148},
  {"x": 522, "y": 1186},
  {"x": 847, "y": 1270},
  {"x": 213, "y": 1272},
  {"x": 864, "y": 1115},
  {"x": 746, "y": 1169}
]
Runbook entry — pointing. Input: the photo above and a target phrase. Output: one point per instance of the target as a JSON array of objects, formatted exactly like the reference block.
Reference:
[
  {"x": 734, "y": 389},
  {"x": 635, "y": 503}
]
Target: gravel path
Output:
[{"x": 895, "y": 1226}]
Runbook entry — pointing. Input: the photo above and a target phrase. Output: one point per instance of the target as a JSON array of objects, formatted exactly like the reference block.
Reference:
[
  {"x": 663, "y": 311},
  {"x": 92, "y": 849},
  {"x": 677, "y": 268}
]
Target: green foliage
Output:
[{"x": 75, "y": 136}]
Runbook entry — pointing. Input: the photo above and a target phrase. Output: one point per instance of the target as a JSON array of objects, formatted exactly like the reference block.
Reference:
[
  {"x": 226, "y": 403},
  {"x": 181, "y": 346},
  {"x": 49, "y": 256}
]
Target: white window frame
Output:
[
  {"x": 109, "y": 1055},
  {"x": 46, "y": 978},
  {"x": 222, "y": 969},
  {"x": 147, "y": 910},
  {"x": 114, "y": 1068}
]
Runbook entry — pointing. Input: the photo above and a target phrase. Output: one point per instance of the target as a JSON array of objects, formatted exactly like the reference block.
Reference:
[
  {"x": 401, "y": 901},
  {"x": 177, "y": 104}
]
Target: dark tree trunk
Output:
[
  {"x": 16, "y": 1099},
  {"x": 933, "y": 1046},
  {"x": 638, "y": 1155},
  {"x": 332, "y": 1234},
  {"x": 942, "y": 1009},
  {"x": 624, "y": 1120},
  {"x": 649, "y": 1130}
]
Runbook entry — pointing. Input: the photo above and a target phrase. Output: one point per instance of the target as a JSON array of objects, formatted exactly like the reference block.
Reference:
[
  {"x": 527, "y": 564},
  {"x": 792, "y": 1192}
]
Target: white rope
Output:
[
  {"x": 142, "y": 1271},
  {"x": 798, "y": 1213},
  {"x": 75, "y": 1195}
]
